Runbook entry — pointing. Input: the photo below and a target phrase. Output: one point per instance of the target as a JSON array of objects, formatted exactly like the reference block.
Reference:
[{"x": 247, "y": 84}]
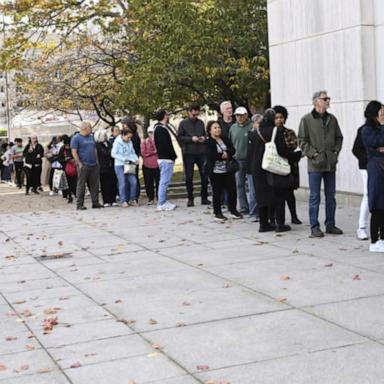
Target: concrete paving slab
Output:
[
  {"x": 363, "y": 364},
  {"x": 140, "y": 369},
  {"x": 54, "y": 377},
  {"x": 304, "y": 280},
  {"x": 94, "y": 352},
  {"x": 249, "y": 339},
  {"x": 364, "y": 316}
]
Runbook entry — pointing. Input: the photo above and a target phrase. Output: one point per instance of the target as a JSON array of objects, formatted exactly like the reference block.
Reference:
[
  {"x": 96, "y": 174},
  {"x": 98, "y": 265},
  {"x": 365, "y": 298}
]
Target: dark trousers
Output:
[
  {"x": 19, "y": 171},
  {"x": 108, "y": 184},
  {"x": 151, "y": 179},
  {"x": 377, "y": 225},
  {"x": 88, "y": 175},
  {"x": 138, "y": 188},
  {"x": 189, "y": 162},
  {"x": 291, "y": 202},
  {"x": 223, "y": 182},
  {"x": 33, "y": 177},
  {"x": 72, "y": 184},
  {"x": 280, "y": 198}
]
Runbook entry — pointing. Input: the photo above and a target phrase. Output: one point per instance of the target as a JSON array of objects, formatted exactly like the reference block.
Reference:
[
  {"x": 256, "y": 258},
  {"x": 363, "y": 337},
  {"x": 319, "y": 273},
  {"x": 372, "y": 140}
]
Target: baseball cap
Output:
[{"x": 241, "y": 111}]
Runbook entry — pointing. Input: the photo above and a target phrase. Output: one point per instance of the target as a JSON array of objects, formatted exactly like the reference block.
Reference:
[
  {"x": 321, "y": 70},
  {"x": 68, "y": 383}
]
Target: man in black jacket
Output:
[
  {"x": 166, "y": 155},
  {"x": 192, "y": 136}
]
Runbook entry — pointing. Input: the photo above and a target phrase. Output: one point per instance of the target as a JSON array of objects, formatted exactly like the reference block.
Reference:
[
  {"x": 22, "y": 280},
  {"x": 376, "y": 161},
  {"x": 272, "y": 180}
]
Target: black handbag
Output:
[
  {"x": 280, "y": 182},
  {"x": 232, "y": 166}
]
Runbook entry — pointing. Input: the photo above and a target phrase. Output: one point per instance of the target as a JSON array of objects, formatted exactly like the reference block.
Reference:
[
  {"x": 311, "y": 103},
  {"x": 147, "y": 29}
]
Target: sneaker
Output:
[
  {"x": 60, "y": 193},
  {"x": 283, "y": 228},
  {"x": 361, "y": 234},
  {"x": 167, "y": 206},
  {"x": 235, "y": 215},
  {"x": 125, "y": 205},
  {"x": 70, "y": 200},
  {"x": 244, "y": 211},
  {"x": 107, "y": 205},
  {"x": 333, "y": 230},
  {"x": 220, "y": 218},
  {"x": 295, "y": 220},
  {"x": 205, "y": 202},
  {"x": 114, "y": 204},
  {"x": 40, "y": 189},
  {"x": 376, "y": 247},
  {"x": 97, "y": 205},
  {"x": 81, "y": 208},
  {"x": 317, "y": 232},
  {"x": 190, "y": 203},
  {"x": 150, "y": 202},
  {"x": 51, "y": 193},
  {"x": 132, "y": 203}
]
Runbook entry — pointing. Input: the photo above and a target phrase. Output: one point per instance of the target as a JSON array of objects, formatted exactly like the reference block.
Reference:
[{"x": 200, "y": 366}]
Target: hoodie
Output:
[{"x": 123, "y": 151}]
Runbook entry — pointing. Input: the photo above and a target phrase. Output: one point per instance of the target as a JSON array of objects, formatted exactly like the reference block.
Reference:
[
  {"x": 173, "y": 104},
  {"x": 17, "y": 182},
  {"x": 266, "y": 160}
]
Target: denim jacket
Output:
[{"x": 123, "y": 151}]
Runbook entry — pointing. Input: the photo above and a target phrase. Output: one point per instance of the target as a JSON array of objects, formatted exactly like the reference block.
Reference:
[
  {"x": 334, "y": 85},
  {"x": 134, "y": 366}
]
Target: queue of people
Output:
[{"x": 230, "y": 153}]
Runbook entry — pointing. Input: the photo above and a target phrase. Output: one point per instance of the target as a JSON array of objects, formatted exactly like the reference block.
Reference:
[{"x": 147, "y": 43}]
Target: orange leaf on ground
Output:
[
  {"x": 202, "y": 367},
  {"x": 152, "y": 322},
  {"x": 29, "y": 347},
  {"x": 281, "y": 299},
  {"x": 356, "y": 277},
  {"x": 3, "y": 367},
  {"x": 285, "y": 277},
  {"x": 328, "y": 265},
  {"x": 10, "y": 338},
  {"x": 75, "y": 365},
  {"x": 43, "y": 370}
]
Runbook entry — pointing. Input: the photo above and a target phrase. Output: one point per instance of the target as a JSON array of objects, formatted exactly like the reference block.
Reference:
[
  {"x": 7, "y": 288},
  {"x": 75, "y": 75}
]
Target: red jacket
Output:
[{"x": 149, "y": 153}]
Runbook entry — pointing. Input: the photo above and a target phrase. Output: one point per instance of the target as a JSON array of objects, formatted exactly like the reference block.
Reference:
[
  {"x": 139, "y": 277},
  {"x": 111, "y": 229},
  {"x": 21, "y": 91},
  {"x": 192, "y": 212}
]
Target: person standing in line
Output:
[
  {"x": 291, "y": 141},
  {"x": 226, "y": 120},
  {"x": 130, "y": 123},
  {"x": 167, "y": 156},
  {"x": 360, "y": 153},
  {"x": 69, "y": 166},
  {"x": 192, "y": 136},
  {"x": 220, "y": 150},
  {"x": 238, "y": 134},
  {"x": 7, "y": 158},
  {"x": 33, "y": 154},
  {"x": 52, "y": 155},
  {"x": 321, "y": 140},
  {"x": 125, "y": 156},
  {"x": 84, "y": 152},
  {"x": 151, "y": 170},
  {"x": 373, "y": 140},
  {"x": 108, "y": 182},
  {"x": 18, "y": 161}
]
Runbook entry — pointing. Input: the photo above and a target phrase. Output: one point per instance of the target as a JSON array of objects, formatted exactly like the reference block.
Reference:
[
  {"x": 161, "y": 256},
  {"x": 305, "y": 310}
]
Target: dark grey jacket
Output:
[
  {"x": 320, "y": 140},
  {"x": 188, "y": 129}
]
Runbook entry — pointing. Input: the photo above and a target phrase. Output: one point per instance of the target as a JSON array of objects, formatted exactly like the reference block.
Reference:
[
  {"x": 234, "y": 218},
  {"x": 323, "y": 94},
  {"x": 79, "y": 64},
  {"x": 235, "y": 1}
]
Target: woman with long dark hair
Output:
[
  {"x": 219, "y": 151},
  {"x": 33, "y": 154},
  {"x": 373, "y": 140},
  {"x": 68, "y": 163}
]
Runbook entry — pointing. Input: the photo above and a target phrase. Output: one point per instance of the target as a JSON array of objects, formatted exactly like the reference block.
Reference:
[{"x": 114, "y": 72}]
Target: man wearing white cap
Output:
[{"x": 238, "y": 134}]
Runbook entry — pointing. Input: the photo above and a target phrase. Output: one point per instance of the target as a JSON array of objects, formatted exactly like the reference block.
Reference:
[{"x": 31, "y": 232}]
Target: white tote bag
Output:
[
  {"x": 272, "y": 161},
  {"x": 57, "y": 174}
]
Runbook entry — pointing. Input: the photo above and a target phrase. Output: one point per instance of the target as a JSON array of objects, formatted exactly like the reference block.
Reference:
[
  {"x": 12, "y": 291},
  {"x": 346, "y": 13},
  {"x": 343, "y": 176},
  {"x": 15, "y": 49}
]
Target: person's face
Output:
[
  {"x": 215, "y": 130},
  {"x": 34, "y": 139},
  {"x": 241, "y": 119},
  {"x": 323, "y": 102},
  {"x": 279, "y": 120},
  {"x": 116, "y": 132},
  {"x": 227, "y": 110},
  {"x": 19, "y": 144},
  {"x": 127, "y": 137},
  {"x": 193, "y": 115}
]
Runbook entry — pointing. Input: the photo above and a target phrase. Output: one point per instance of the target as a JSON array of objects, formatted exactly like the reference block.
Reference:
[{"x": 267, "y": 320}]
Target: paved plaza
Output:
[{"x": 124, "y": 296}]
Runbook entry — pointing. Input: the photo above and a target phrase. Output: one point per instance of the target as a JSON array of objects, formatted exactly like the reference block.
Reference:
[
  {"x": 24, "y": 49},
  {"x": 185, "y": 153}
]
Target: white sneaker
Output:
[
  {"x": 60, "y": 193},
  {"x": 125, "y": 205},
  {"x": 106, "y": 205},
  {"x": 51, "y": 193},
  {"x": 361, "y": 234},
  {"x": 377, "y": 247},
  {"x": 167, "y": 206},
  {"x": 114, "y": 204}
]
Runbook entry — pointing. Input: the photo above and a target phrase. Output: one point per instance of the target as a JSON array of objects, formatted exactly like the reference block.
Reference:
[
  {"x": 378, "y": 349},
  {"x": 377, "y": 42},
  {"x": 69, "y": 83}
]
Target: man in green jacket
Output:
[
  {"x": 321, "y": 139},
  {"x": 238, "y": 134}
]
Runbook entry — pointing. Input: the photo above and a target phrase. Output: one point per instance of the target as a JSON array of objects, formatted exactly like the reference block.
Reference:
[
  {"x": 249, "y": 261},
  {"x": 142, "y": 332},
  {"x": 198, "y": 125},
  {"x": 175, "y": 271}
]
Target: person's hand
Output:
[
  {"x": 224, "y": 156},
  {"x": 380, "y": 149},
  {"x": 195, "y": 139},
  {"x": 201, "y": 139}
]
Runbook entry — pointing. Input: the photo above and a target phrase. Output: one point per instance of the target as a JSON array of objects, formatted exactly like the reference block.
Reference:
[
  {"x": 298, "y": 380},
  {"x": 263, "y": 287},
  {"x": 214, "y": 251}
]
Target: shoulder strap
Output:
[
  {"x": 274, "y": 134},
  {"x": 260, "y": 135}
]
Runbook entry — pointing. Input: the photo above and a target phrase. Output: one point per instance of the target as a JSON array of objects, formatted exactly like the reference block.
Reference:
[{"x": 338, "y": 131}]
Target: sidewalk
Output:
[{"x": 124, "y": 296}]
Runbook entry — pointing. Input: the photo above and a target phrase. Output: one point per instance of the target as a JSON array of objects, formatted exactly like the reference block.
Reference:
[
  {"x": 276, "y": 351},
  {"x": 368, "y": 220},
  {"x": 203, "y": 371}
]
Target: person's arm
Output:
[
  {"x": 358, "y": 148},
  {"x": 183, "y": 136},
  {"x": 115, "y": 154},
  {"x": 282, "y": 149},
  {"x": 304, "y": 141},
  {"x": 338, "y": 139}
]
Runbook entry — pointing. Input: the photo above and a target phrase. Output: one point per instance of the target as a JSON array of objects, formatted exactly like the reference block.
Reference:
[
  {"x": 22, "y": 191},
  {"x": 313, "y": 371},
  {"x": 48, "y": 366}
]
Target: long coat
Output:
[{"x": 373, "y": 138}]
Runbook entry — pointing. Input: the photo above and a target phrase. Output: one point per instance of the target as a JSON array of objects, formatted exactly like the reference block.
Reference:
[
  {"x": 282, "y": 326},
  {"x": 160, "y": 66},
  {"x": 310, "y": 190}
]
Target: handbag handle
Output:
[{"x": 274, "y": 134}]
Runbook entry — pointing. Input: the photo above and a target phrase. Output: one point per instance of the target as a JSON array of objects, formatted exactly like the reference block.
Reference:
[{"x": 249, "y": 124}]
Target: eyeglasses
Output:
[{"x": 325, "y": 98}]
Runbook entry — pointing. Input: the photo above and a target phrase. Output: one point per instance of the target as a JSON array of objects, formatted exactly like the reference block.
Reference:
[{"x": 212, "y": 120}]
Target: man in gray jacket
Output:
[{"x": 321, "y": 140}]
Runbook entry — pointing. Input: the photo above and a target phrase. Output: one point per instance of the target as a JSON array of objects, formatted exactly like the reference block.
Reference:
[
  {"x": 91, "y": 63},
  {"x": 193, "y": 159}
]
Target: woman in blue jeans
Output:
[{"x": 124, "y": 155}]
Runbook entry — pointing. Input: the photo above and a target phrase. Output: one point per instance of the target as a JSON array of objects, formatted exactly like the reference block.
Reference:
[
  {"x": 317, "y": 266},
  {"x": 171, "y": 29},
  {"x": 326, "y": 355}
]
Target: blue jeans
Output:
[
  {"x": 166, "y": 173},
  {"x": 241, "y": 176},
  {"x": 253, "y": 210},
  {"x": 127, "y": 184},
  {"x": 314, "y": 179}
]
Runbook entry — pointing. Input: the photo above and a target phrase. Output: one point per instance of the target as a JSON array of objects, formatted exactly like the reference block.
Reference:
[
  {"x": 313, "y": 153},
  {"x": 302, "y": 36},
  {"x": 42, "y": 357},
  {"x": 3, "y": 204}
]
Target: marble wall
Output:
[{"x": 332, "y": 45}]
